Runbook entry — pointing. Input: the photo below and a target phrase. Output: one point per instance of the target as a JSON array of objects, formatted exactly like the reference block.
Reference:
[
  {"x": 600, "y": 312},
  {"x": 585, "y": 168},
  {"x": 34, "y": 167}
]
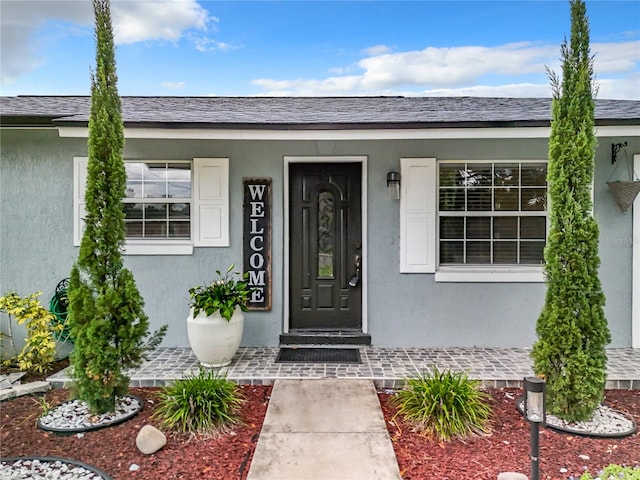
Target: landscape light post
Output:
[{"x": 534, "y": 411}]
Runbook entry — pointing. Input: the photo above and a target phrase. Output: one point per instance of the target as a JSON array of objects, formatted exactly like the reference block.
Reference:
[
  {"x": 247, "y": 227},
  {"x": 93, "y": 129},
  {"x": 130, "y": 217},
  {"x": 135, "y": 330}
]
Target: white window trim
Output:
[
  {"x": 488, "y": 273},
  {"x": 200, "y": 200}
]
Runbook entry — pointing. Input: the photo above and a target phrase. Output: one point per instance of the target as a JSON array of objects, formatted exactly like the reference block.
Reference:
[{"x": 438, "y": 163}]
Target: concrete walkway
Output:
[{"x": 326, "y": 429}]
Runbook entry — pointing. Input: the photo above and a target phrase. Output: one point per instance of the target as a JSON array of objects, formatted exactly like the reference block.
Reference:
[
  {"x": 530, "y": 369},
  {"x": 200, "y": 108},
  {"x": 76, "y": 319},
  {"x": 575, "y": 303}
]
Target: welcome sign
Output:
[{"x": 257, "y": 240}]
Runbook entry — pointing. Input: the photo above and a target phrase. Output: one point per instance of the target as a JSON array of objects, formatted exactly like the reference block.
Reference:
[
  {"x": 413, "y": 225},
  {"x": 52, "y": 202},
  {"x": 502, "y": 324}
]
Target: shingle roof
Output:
[{"x": 310, "y": 112}]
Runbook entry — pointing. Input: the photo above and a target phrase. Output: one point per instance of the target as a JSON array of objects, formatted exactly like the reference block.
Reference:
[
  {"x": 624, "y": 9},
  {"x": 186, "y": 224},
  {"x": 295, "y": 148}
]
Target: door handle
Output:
[{"x": 355, "y": 279}]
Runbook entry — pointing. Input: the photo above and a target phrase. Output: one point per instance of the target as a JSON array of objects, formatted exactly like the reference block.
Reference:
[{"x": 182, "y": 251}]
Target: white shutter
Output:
[
  {"x": 210, "y": 208},
  {"x": 418, "y": 215},
  {"x": 79, "y": 185}
]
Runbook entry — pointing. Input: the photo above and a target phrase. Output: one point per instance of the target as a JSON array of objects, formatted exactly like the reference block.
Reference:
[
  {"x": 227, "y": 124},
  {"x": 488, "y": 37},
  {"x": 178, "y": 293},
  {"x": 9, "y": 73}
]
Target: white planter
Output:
[{"x": 213, "y": 339}]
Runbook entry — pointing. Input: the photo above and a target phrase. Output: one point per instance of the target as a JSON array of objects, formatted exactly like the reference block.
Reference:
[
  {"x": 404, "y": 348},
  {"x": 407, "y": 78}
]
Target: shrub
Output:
[
  {"x": 106, "y": 314},
  {"x": 205, "y": 403},
  {"x": 444, "y": 405},
  {"x": 570, "y": 353},
  {"x": 40, "y": 347},
  {"x": 615, "y": 472}
]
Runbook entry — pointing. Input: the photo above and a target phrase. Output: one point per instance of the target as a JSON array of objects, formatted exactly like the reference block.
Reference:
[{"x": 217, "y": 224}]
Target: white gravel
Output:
[
  {"x": 605, "y": 421},
  {"x": 75, "y": 415},
  {"x": 45, "y": 470}
]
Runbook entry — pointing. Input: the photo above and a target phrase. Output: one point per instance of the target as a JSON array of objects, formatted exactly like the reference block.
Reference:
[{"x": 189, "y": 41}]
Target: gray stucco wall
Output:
[{"x": 36, "y": 249}]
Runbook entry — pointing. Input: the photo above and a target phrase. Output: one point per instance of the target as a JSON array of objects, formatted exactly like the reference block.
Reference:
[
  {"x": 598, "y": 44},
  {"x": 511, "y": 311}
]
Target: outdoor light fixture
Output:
[
  {"x": 534, "y": 412},
  {"x": 393, "y": 185}
]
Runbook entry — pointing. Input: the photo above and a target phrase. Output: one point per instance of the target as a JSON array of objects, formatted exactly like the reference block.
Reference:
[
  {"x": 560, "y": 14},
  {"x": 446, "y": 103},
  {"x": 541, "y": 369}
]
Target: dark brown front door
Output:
[{"x": 325, "y": 228}]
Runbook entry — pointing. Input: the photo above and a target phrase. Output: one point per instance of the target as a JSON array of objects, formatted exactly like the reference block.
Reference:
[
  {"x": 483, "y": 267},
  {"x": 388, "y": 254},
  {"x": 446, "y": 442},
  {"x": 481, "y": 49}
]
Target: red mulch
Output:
[
  {"x": 507, "y": 448},
  {"x": 113, "y": 449}
]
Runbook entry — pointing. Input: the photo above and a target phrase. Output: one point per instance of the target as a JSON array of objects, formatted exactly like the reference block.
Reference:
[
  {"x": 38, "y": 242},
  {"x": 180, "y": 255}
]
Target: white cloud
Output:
[
  {"x": 377, "y": 50},
  {"x": 514, "y": 70},
  {"x": 19, "y": 20},
  {"x": 205, "y": 44},
  {"x": 133, "y": 21},
  {"x": 455, "y": 66},
  {"x": 136, "y": 21},
  {"x": 173, "y": 85}
]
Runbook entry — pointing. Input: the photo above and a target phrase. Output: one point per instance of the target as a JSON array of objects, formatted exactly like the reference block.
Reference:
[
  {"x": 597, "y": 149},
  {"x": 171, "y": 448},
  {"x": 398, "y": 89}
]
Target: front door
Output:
[{"x": 325, "y": 265}]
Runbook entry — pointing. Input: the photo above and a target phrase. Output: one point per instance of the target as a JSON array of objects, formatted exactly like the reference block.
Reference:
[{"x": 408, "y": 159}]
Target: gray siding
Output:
[{"x": 36, "y": 251}]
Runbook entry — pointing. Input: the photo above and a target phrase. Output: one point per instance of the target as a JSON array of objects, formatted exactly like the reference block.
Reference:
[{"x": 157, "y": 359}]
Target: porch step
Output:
[{"x": 325, "y": 337}]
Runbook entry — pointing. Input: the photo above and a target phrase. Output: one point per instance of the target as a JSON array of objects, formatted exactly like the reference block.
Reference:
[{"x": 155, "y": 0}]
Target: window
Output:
[
  {"x": 170, "y": 206},
  {"x": 473, "y": 221},
  {"x": 158, "y": 200},
  {"x": 491, "y": 213}
]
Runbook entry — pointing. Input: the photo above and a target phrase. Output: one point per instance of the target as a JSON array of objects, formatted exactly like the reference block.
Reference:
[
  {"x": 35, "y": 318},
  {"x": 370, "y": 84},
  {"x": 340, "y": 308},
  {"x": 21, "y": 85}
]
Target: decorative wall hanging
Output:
[
  {"x": 257, "y": 240},
  {"x": 624, "y": 191}
]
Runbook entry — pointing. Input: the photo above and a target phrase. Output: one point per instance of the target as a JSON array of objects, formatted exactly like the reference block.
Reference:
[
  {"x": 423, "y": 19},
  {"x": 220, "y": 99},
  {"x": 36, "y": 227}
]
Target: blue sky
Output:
[{"x": 189, "y": 47}]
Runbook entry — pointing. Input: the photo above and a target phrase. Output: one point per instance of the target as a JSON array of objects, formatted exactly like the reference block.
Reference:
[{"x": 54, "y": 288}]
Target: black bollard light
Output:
[{"x": 534, "y": 411}]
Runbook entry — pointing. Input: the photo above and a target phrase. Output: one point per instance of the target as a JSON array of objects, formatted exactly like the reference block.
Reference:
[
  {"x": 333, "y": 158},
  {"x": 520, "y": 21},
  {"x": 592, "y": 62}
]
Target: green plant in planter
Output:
[
  {"x": 444, "y": 405},
  {"x": 205, "y": 403},
  {"x": 224, "y": 295}
]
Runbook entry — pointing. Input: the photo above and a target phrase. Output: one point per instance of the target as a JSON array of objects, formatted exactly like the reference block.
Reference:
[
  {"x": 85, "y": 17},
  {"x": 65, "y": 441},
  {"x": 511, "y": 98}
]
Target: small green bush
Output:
[
  {"x": 205, "y": 403},
  {"x": 615, "y": 472},
  {"x": 40, "y": 346},
  {"x": 444, "y": 405}
]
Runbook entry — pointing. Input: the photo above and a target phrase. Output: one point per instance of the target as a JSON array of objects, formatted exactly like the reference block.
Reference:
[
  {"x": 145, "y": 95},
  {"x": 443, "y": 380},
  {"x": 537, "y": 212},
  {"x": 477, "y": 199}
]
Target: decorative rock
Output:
[
  {"x": 511, "y": 476},
  {"x": 31, "y": 387},
  {"x": 150, "y": 440}
]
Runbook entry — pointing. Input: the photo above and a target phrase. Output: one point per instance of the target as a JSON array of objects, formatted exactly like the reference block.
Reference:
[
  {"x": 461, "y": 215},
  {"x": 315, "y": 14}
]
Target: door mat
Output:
[{"x": 318, "y": 355}]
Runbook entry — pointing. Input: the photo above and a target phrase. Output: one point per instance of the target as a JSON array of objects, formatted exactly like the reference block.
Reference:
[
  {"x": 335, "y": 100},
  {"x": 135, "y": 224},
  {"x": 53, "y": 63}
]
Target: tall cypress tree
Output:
[
  {"x": 106, "y": 313},
  {"x": 572, "y": 329}
]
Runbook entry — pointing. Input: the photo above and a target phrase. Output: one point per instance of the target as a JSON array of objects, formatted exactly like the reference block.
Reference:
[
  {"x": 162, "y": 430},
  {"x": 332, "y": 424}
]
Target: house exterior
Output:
[{"x": 414, "y": 222}]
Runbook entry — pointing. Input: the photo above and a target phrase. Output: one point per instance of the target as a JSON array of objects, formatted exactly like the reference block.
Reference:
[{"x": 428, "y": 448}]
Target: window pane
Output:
[
  {"x": 451, "y": 199},
  {"x": 155, "y": 229},
  {"x": 478, "y": 227},
  {"x": 179, "y": 229},
  {"x": 479, "y": 199},
  {"x": 533, "y": 199},
  {"x": 506, "y": 199},
  {"x": 326, "y": 234},
  {"x": 478, "y": 252},
  {"x": 531, "y": 252},
  {"x": 451, "y": 174},
  {"x": 132, "y": 210},
  {"x": 154, "y": 189},
  {"x": 506, "y": 174},
  {"x": 505, "y": 227},
  {"x": 505, "y": 252},
  {"x": 451, "y": 252},
  {"x": 133, "y": 229},
  {"x": 534, "y": 175},
  {"x": 179, "y": 189},
  {"x": 533, "y": 227},
  {"x": 452, "y": 227},
  {"x": 477, "y": 174},
  {"x": 155, "y": 172},
  {"x": 155, "y": 210},
  {"x": 179, "y": 172},
  {"x": 179, "y": 211}
]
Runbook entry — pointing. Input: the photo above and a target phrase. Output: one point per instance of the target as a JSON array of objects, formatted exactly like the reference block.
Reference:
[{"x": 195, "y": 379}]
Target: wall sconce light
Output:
[
  {"x": 393, "y": 185},
  {"x": 615, "y": 148},
  {"x": 534, "y": 412}
]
